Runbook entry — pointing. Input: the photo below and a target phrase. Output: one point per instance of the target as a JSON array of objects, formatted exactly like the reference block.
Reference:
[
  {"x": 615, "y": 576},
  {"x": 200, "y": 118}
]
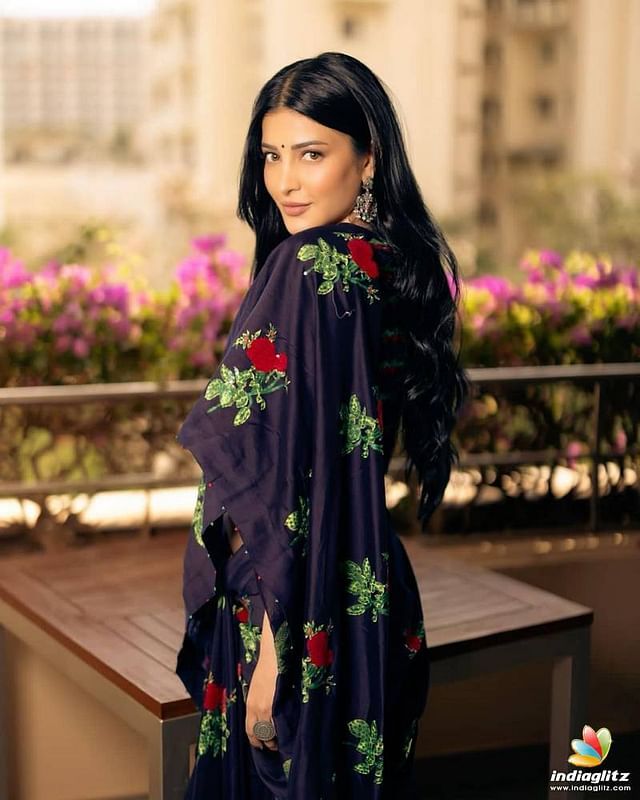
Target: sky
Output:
[{"x": 74, "y": 8}]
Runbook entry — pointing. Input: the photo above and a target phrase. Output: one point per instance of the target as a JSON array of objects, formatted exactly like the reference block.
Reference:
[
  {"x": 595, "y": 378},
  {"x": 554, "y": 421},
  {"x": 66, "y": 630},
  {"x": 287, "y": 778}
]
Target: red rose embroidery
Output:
[
  {"x": 318, "y": 646},
  {"x": 362, "y": 253},
  {"x": 280, "y": 361},
  {"x": 413, "y": 642},
  {"x": 242, "y": 614},
  {"x": 239, "y": 669},
  {"x": 263, "y": 356},
  {"x": 215, "y": 696},
  {"x": 380, "y": 415}
]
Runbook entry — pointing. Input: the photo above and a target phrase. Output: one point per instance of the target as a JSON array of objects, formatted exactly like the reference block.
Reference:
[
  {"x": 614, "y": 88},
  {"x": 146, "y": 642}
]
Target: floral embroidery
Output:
[
  {"x": 286, "y": 766},
  {"x": 198, "y": 513},
  {"x": 362, "y": 253},
  {"x": 214, "y": 730},
  {"x": 283, "y": 646},
  {"x": 241, "y": 387},
  {"x": 249, "y": 632},
  {"x": 372, "y": 594},
  {"x": 413, "y": 640},
  {"x": 406, "y": 748},
  {"x": 298, "y": 522},
  {"x": 371, "y": 745},
  {"x": 358, "y": 428},
  {"x": 315, "y": 665},
  {"x": 335, "y": 266},
  {"x": 391, "y": 365}
]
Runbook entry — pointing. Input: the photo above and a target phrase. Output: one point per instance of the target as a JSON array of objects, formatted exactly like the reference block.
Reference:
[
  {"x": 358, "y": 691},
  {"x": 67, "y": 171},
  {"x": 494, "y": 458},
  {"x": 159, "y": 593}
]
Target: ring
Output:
[{"x": 264, "y": 730}]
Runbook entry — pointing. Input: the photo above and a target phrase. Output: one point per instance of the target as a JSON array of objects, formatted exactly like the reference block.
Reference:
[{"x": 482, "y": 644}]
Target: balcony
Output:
[{"x": 537, "y": 14}]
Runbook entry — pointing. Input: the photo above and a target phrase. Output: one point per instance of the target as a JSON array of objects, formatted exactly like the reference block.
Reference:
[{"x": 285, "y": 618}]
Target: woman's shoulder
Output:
[
  {"x": 335, "y": 241},
  {"x": 335, "y": 232}
]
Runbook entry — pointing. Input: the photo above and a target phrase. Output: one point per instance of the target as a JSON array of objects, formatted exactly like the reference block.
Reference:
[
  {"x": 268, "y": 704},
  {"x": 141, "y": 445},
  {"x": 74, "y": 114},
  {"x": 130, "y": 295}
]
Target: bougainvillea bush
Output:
[
  {"x": 578, "y": 309},
  {"x": 69, "y": 323},
  {"x": 572, "y": 310}
]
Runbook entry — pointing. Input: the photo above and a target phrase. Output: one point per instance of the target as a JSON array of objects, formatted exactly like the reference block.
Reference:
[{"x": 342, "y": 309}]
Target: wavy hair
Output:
[{"x": 340, "y": 92}]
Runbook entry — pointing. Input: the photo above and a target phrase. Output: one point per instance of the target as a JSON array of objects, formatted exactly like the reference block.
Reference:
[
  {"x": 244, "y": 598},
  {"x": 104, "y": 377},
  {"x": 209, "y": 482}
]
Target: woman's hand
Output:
[{"x": 262, "y": 687}]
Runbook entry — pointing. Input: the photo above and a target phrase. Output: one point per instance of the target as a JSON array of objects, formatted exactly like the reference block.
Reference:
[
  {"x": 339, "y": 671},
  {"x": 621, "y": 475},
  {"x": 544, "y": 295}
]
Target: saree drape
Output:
[{"x": 293, "y": 435}]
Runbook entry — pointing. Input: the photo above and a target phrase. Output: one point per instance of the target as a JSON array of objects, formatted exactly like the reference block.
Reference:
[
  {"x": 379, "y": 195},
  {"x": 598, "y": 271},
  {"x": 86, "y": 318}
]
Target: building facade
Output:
[{"x": 68, "y": 80}]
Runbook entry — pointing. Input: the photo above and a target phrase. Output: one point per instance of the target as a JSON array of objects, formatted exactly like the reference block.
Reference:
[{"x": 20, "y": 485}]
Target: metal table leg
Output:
[
  {"x": 569, "y": 700},
  {"x": 4, "y": 721},
  {"x": 168, "y": 757}
]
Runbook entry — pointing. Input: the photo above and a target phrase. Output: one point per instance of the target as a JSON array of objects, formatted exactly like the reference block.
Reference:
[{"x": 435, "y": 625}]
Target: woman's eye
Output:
[{"x": 266, "y": 155}]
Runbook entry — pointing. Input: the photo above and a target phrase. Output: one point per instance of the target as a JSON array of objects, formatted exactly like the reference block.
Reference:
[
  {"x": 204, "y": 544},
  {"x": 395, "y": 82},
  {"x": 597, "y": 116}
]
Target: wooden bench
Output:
[{"x": 110, "y": 616}]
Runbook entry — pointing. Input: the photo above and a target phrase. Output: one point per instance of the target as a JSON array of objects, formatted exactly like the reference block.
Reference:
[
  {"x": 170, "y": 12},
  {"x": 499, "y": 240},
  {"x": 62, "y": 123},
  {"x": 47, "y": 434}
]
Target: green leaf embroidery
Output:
[
  {"x": 198, "y": 513},
  {"x": 283, "y": 646},
  {"x": 249, "y": 633},
  {"x": 335, "y": 266},
  {"x": 298, "y": 522},
  {"x": 244, "y": 387},
  {"x": 371, "y": 746},
  {"x": 372, "y": 595},
  {"x": 359, "y": 428},
  {"x": 286, "y": 766}
]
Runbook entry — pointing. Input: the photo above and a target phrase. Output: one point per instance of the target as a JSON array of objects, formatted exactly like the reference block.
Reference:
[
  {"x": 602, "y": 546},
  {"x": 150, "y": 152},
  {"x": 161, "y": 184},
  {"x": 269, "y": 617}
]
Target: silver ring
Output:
[{"x": 264, "y": 730}]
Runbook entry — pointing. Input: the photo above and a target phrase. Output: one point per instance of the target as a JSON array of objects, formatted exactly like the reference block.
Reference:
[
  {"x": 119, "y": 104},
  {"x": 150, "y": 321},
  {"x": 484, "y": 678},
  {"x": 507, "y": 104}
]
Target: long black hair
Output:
[{"x": 340, "y": 92}]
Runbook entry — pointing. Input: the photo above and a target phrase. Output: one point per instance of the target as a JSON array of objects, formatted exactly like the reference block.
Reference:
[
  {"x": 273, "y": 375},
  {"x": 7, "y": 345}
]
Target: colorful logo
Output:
[{"x": 592, "y": 749}]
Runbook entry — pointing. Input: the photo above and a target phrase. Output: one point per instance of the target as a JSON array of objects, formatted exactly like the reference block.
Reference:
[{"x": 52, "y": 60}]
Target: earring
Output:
[{"x": 365, "y": 206}]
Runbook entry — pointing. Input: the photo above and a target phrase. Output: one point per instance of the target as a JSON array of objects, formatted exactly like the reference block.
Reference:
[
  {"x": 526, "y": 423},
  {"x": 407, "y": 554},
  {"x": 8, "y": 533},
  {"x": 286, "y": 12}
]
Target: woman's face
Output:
[{"x": 306, "y": 162}]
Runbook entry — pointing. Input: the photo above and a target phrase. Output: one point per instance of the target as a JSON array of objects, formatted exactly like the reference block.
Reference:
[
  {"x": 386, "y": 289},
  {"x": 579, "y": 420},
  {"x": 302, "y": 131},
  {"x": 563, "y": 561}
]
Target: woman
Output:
[{"x": 305, "y": 647}]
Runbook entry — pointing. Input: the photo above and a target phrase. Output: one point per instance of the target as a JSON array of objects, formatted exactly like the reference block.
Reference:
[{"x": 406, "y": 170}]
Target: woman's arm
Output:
[{"x": 262, "y": 686}]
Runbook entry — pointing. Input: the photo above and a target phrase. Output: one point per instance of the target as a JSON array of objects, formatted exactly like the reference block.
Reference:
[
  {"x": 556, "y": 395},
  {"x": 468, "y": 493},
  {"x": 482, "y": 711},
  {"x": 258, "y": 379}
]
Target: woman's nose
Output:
[{"x": 288, "y": 177}]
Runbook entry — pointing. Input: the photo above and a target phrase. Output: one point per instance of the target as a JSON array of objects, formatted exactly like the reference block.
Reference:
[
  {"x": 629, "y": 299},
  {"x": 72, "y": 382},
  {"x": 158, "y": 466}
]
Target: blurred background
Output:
[
  {"x": 122, "y": 125},
  {"x": 521, "y": 116}
]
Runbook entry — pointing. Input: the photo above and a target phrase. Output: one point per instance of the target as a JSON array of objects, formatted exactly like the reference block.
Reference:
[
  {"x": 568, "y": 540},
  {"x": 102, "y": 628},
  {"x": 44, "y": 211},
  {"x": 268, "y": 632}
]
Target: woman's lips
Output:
[{"x": 294, "y": 211}]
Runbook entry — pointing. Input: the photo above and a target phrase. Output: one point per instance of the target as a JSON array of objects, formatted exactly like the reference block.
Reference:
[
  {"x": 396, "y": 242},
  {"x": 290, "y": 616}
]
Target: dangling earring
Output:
[{"x": 365, "y": 207}]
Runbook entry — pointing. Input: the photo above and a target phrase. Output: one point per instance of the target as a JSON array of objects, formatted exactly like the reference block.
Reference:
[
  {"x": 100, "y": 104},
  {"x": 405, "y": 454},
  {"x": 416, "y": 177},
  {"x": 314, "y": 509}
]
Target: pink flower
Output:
[
  {"x": 80, "y": 348},
  {"x": 209, "y": 242}
]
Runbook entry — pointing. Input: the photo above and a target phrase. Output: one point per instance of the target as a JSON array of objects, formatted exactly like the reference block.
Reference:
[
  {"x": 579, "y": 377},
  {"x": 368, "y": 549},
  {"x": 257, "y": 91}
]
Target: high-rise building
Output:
[
  {"x": 67, "y": 79},
  {"x": 559, "y": 92}
]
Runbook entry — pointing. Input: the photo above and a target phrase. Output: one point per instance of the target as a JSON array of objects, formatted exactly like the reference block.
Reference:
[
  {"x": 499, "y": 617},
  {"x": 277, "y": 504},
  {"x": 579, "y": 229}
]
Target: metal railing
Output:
[{"x": 599, "y": 376}]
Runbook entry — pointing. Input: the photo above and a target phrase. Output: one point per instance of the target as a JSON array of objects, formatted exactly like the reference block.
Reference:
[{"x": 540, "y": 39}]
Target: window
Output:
[
  {"x": 547, "y": 51},
  {"x": 492, "y": 53},
  {"x": 487, "y": 213},
  {"x": 350, "y": 26},
  {"x": 544, "y": 105}
]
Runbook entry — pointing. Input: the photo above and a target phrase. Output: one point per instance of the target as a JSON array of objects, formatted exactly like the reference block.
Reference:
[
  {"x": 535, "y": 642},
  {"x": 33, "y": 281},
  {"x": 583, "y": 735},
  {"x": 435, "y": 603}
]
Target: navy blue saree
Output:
[{"x": 294, "y": 434}]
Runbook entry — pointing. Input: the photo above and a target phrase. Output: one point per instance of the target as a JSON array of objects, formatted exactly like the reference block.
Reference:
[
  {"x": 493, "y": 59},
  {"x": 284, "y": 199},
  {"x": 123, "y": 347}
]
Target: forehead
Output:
[{"x": 286, "y": 126}]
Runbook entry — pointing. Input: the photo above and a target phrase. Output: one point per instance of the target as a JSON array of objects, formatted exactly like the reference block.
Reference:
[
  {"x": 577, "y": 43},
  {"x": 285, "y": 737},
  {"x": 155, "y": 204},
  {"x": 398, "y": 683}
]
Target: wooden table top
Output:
[{"x": 118, "y": 606}]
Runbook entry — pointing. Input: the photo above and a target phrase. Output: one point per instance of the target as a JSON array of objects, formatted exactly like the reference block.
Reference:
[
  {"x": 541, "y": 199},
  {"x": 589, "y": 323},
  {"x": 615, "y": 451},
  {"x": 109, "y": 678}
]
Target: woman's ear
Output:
[{"x": 369, "y": 164}]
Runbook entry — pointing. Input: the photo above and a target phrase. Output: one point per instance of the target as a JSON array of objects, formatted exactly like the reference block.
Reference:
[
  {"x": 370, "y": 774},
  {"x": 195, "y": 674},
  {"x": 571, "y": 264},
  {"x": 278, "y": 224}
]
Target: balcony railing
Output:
[{"x": 597, "y": 378}]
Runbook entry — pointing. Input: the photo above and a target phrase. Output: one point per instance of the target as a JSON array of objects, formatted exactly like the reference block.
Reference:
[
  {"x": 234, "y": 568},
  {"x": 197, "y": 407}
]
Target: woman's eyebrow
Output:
[{"x": 294, "y": 146}]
